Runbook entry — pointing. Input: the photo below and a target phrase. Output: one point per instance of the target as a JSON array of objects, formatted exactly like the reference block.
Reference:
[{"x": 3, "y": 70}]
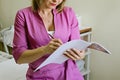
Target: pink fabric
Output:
[
  {"x": 30, "y": 33},
  {"x": 66, "y": 71}
]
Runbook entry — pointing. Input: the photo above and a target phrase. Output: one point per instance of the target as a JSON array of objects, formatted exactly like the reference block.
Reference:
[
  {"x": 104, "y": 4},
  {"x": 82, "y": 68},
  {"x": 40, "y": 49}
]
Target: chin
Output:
[{"x": 52, "y": 7}]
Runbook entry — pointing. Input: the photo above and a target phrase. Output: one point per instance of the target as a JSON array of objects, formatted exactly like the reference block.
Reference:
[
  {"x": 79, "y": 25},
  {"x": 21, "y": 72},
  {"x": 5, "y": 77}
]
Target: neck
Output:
[{"x": 44, "y": 10}]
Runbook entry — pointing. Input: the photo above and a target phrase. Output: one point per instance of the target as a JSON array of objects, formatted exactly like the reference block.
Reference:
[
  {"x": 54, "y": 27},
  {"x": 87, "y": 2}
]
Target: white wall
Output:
[
  {"x": 8, "y": 9},
  {"x": 102, "y": 15}
]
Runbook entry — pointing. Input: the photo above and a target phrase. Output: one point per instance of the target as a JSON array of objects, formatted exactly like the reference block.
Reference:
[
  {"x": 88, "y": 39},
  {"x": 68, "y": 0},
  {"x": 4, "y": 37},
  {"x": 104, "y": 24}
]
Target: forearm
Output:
[{"x": 29, "y": 56}]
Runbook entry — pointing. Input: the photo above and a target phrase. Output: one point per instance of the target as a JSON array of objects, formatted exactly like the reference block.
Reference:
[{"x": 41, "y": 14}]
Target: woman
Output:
[{"x": 32, "y": 42}]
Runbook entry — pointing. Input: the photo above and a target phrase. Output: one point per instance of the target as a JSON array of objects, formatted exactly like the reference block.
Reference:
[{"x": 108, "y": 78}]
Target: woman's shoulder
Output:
[
  {"x": 25, "y": 10},
  {"x": 68, "y": 9}
]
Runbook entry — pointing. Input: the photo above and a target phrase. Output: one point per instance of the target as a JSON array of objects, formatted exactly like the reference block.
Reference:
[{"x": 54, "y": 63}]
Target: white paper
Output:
[{"x": 58, "y": 57}]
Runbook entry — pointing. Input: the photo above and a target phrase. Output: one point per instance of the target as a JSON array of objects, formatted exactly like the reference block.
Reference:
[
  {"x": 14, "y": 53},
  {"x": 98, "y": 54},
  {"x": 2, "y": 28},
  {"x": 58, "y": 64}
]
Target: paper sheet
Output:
[{"x": 58, "y": 57}]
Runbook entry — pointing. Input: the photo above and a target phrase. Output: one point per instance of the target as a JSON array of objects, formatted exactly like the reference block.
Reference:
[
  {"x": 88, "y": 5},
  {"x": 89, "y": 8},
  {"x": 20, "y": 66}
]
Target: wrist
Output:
[{"x": 42, "y": 50}]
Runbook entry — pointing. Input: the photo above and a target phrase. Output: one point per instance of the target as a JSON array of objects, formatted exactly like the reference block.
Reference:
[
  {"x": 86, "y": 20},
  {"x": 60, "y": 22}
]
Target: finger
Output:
[
  {"x": 69, "y": 56},
  {"x": 74, "y": 54},
  {"x": 83, "y": 51},
  {"x": 58, "y": 41},
  {"x": 82, "y": 54},
  {"x": 56, "y": 44},
  {"x": 77, "y": 52},
  {"x": 53, "y": 47}
]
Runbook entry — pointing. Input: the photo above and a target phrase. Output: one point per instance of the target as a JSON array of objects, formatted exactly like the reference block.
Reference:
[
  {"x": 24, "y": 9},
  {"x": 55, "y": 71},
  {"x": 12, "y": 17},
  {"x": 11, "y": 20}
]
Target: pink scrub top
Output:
[{"x": 31, "y": 33}]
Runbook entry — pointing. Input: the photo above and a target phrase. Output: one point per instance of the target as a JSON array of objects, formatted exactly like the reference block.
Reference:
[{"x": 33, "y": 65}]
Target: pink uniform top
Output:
[{"x": 31, "y": 33}]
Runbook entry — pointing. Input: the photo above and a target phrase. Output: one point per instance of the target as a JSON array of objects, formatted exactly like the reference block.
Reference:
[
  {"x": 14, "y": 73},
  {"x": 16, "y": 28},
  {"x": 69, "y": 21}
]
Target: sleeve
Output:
[
  {"x": 75, "y": 33},
  {"x": 19, "y": 40}
]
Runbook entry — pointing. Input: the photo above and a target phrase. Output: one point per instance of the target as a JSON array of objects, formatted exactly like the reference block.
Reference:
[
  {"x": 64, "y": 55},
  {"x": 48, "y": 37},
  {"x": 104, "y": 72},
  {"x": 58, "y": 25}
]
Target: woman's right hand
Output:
[{"x": 53, "y": 45}]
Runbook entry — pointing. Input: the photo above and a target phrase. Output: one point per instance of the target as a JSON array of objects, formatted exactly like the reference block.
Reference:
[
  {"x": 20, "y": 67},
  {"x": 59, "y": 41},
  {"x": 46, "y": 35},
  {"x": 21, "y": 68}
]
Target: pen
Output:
[{"x": 51, "y": 36}]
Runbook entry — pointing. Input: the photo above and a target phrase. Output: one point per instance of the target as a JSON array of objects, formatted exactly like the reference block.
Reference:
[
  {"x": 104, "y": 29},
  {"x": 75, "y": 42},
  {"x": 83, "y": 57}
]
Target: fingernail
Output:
[
  {"x": 67, "y": 50},
  {"x": 64, "y": 52}
]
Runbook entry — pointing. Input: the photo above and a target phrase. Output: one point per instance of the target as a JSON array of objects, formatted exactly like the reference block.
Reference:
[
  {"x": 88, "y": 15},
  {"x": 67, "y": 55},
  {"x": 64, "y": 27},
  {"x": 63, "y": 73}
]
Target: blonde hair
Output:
[{"x": 36, "y": 5}]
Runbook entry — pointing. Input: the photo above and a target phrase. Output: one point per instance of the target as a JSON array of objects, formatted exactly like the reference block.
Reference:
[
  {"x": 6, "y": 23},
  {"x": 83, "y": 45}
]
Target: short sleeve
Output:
[{"x": 19, "y": 40}]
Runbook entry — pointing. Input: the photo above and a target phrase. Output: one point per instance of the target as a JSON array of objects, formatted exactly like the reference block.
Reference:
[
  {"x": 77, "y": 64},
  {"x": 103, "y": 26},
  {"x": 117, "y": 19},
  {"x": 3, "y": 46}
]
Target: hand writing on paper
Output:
[
  {"x": 53, "y": 45},
  {"x": 75, "y": 54}
]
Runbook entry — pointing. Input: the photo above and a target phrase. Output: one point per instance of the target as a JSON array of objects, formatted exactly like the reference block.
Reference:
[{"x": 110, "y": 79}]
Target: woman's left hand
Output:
[{"x": 75, "y": 54}]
